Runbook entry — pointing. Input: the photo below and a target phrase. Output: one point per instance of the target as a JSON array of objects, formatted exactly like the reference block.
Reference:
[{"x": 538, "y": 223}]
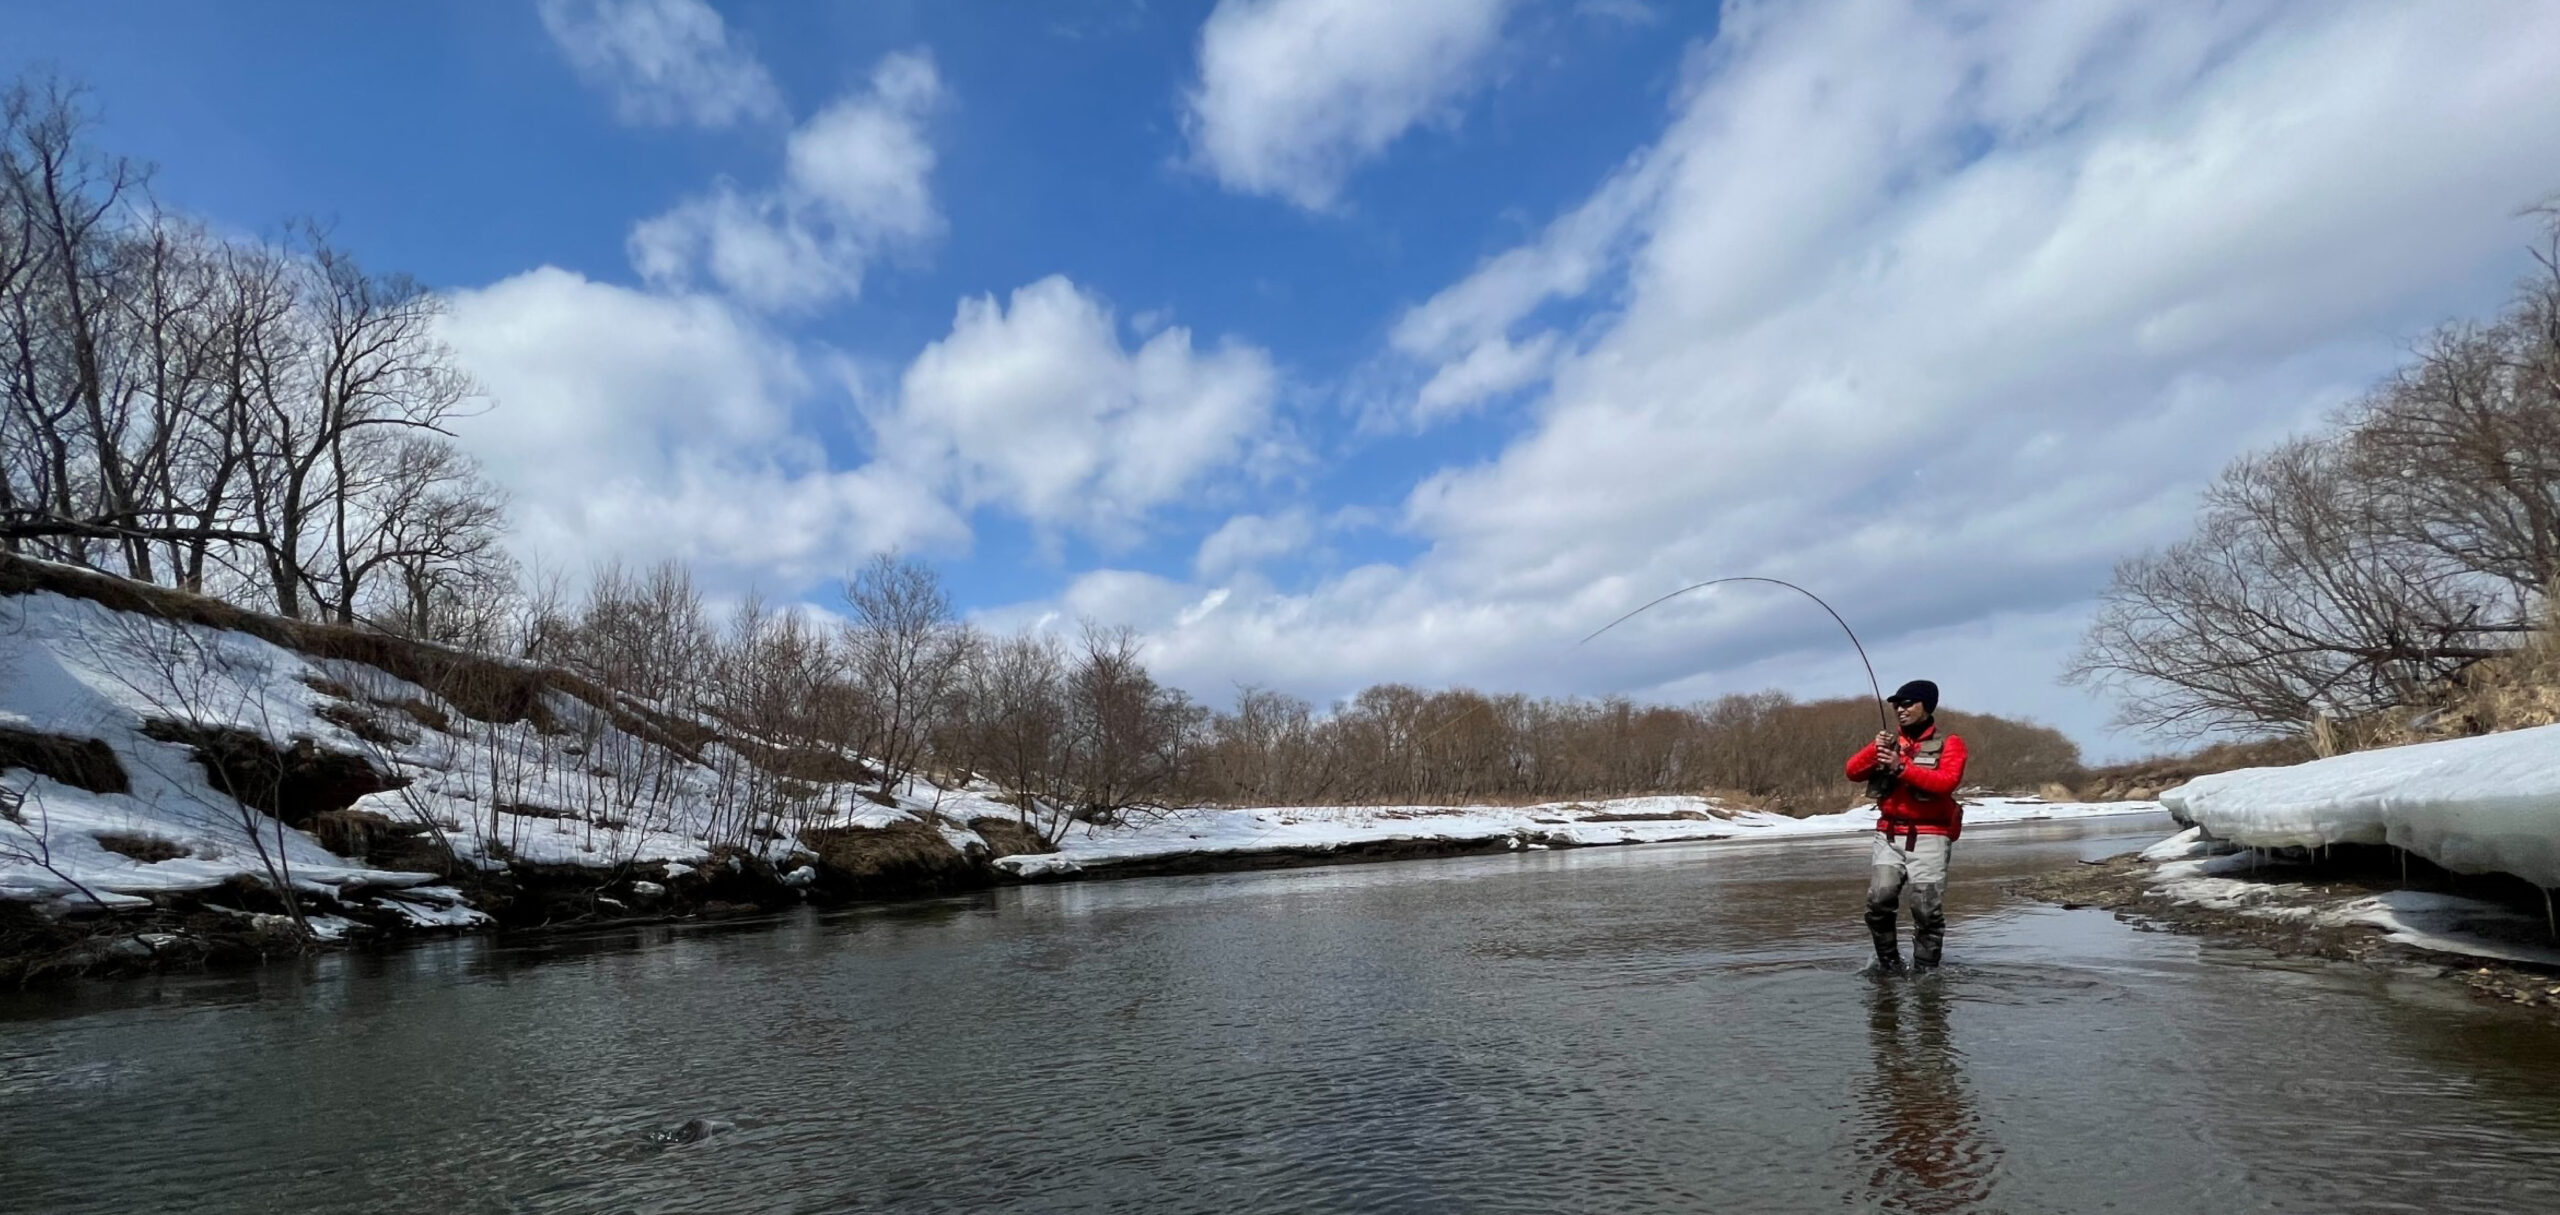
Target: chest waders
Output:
[{"x": 1904, "y": 857}]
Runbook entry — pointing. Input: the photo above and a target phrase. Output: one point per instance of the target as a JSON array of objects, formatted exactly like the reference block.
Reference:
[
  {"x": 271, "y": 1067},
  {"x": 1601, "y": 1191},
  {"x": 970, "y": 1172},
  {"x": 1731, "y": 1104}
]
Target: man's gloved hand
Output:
[{"x": 1888, "y": 753}]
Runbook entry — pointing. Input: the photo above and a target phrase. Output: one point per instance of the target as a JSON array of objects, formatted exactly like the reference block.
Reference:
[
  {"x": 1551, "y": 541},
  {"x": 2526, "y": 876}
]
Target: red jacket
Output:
[{"x": 1924, "y": 800}]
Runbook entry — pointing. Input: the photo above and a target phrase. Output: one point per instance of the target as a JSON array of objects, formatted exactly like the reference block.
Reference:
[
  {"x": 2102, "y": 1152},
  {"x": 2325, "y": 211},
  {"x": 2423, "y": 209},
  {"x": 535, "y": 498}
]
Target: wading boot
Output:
[
  {"x": 1928, "y": 924},
  {"x": 1888, "y": 950}
]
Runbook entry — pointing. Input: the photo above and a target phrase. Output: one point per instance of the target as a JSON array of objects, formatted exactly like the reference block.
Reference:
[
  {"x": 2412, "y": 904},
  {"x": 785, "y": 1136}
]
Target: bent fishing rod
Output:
[
  {"x": 1886, "y": 715},
  {"x": 1882, "y": 713}
]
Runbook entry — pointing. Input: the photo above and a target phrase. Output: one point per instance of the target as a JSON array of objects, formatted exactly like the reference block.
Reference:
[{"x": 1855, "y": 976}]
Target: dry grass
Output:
[
  {"x": 148, "y": 849},
  {"x": 907, "y": 852},
  {"x": 2143, "y": 779},
  {"x": 363, "y": 723},
  {"x": 293, "y": 784},
  {"x": 1009, "y": 838},
  {"x": 2517, "y": 691},
  {"x": 1730, "y": 800},
  {"x": 82, "y": 763},
  {"x": 808, "y": 764}
]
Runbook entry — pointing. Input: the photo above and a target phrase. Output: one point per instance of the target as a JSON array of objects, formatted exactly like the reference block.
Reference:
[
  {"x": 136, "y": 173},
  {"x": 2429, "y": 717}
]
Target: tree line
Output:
[
  {"x": 2340, "y": 584},
  {"x": 1077, "y": 729},
  {"x": 263, "y": 421}
]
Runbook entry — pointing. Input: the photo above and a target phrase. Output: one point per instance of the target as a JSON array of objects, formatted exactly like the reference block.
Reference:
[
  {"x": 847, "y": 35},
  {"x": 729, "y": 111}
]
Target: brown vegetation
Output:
[
  {"x": 1006, "y": 837},
  {"x": 293, "y": 784},
  {"x": 1400, "y": 745},
  {"x": 148, "y": 849},
  {"x": 901, "y": 856},
  {"x": 2144, "y": 779},
  {"x": 82, "y": 763}
]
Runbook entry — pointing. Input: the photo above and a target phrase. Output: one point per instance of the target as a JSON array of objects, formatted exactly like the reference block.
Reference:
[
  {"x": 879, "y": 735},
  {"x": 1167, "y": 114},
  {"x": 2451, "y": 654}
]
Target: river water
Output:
[{"x": 1668, "y": 1028}]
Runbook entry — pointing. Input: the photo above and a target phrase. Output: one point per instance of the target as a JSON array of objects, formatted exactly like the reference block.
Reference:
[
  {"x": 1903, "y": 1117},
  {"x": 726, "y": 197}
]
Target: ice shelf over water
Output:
[{"x": 2473, "y": 805}]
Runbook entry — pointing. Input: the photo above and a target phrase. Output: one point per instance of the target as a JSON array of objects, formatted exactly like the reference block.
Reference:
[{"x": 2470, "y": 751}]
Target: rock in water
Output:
[{"x": 693, "y": 1131}]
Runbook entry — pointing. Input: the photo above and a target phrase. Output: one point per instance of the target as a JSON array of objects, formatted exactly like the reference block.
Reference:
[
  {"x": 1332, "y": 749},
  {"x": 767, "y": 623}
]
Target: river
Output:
[{"x": 1664, "y": 1028}]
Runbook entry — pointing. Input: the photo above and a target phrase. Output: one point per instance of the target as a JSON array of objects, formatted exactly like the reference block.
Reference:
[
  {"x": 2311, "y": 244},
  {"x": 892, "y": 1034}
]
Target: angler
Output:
[{"x": 1912, "y": 773}]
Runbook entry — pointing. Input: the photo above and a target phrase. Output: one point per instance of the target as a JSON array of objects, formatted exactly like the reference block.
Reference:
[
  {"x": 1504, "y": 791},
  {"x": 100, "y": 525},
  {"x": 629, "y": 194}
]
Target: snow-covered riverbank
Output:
[
  {"x": 1242, "y": 834},
  {"x": 2473, "y": 805},
  {"x": 2423, "y": 857}
]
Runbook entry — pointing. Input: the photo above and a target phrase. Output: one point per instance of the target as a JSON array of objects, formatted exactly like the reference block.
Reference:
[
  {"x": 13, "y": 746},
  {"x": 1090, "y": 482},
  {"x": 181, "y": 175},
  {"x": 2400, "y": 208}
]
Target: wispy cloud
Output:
[{"x": 664, "y": 61}]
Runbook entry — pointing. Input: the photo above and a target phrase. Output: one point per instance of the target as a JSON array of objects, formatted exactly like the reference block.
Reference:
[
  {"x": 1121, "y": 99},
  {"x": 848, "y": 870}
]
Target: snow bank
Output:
[
  {"x": 72, "y": 667},
  {"x": 2472, "y": 805},
  {"x": 496, "y": 792},
  {"x": 1632, "y": 820}
]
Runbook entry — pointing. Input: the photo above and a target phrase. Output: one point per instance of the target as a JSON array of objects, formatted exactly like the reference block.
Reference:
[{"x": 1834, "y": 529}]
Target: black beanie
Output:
[{"x": 1920, "y": 690}]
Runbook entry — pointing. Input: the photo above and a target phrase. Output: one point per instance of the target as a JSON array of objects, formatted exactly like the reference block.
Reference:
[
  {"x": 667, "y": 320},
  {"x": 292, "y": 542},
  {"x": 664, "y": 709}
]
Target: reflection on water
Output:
[
  {"x": 1636, "y": 1030},
  {"x": 1930, "y": 1150}
]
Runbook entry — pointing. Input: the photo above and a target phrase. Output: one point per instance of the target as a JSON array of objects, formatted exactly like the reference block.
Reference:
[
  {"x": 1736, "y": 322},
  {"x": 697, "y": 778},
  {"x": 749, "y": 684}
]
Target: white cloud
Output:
[
  {"x": 664, "y": 61},
  {"x": 1494, "y": 367},
  {"x": 1294, "y": 94},
  {"x": 646, "y": 426},
  {"x": 1940, "y": 309},
  {"x": 1245, "y": 541},
  {"x": 1040, "y": 409},
  {"x": 856, "y": 184}
]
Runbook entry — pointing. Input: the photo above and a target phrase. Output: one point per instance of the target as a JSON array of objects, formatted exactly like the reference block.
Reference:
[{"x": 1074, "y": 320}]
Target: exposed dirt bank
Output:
[
  {"x": 2306, "y": 908},
  {"x": 243, "y": 922}
]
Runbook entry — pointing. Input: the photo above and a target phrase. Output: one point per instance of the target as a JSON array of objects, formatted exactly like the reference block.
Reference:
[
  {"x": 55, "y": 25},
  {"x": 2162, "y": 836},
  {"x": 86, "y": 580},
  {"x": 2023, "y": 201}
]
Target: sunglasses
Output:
[{"x": 1898, "y": 701}]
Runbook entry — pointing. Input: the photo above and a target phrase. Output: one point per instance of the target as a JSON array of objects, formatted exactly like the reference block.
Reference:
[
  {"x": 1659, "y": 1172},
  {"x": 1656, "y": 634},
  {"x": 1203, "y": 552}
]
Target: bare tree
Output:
[
  {"x": 2348, "y": 575},
  {"x": 1128, "y": 737},
  {"x": 211, "y": 413},
  {"x": 371, "y": 369},
  {"x": 59, "y": 202},
  {"x": 2294, "y": 601},
  {"x": 905, "y": 651},
  {"x": 1015, "y": 726},
  {"x": 434, "y": 523}
]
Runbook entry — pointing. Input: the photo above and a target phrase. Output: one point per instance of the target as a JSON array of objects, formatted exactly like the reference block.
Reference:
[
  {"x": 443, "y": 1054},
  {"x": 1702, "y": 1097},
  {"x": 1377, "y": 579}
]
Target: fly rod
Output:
[{"x": 1882, "y": 713}]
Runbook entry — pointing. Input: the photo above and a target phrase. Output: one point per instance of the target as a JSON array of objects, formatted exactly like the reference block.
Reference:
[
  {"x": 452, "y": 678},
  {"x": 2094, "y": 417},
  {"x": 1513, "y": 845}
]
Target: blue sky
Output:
[{"x": 1330, "y": 342}]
